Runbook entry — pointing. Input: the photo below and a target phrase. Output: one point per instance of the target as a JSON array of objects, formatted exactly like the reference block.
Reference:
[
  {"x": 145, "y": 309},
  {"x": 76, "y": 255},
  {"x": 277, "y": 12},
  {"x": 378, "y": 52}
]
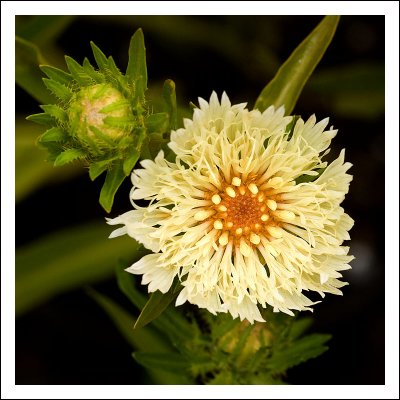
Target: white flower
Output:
[{"x": 229, "y": 219}]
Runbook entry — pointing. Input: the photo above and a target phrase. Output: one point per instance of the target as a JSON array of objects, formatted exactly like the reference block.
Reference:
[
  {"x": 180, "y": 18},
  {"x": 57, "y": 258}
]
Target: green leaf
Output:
[
  {"x": 41, "y": 118},
  {"x": 299, "y": 326},
  {"x": 286, "y": 86},
  {"x": 156, "y": 305},
  {"x": 114, "y": 179},
  {"x": 56, "y": 74},
  {"x": 170, "y": 98},
  {"x": 66, "y": 260},
  {"x": 97, "y": 168},
  {"x": 89, "y": 69},
  {"x": 68, "y": 156},
  {"x": 54, "y": 134},
  {"x": 137, "y": 70},
  {"x": 157, "y": 122},
  {"x": 78, "y": 72},
  {"x": 130, "y": 161},
  {"x": 100, "y": 58},
  {"x": 173, "y": 362},
  {"x": 58, "y": 89},
  {"x": 308, "y": 347},
  {"x": 144, "y": 340},
  {"x": 56, "y": 112},
  {"x": 27, "y": 72},
  {"x": 171, "y": 322},
  {"x": 31, "y": 170}
]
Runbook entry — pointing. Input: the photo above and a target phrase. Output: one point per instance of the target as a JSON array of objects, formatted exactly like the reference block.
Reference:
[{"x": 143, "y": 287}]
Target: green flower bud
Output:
[{"x": 99, "y": 111}]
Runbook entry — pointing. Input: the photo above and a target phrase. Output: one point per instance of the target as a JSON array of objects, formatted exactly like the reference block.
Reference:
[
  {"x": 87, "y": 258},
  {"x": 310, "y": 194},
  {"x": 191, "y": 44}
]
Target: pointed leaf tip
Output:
[
  {"x": 287, "y": 85},
  {"x": 136, "y": 70}
]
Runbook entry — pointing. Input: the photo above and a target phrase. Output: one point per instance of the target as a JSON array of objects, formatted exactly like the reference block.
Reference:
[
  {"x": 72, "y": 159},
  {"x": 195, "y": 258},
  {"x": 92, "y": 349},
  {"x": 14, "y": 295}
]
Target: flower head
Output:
[{"x": 247, "y": 215}]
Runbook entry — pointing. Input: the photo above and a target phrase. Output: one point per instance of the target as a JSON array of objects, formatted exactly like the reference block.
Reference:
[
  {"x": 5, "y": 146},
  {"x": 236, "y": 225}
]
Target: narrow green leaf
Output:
[
  {"x": 113, "y": 67},
  {"x": 68, "y": 156},
  {"x": 66, "y": 260},
  {"x": 156, "y": 305},
  {"x": 54, "y": 134},
  {"x": 27, "y": 72},
  {"x": 157, "y": 123},
  {"x": 97, "y": 168},
  {"x": 100, "y": 58},
  {"x": 55, "y": 111},
  {"x": 78, "y": 72},
  {"x": 310, "y": 346},
  {"x": 286, "y": 86},
  {"x": 147, "y": 339},
  {"x": 130, "y": 161},
  {"x": 31, "y": 171},
  {"x": 171, "y": 322},
  {"x": 169, "y": 95},
  {"x": 56, "y": 74},
  {"x": 41, "y": 118},
  {"x": 58, "y": 89},
  {"x": 89, "y": 69},
  {"x": 137, "y": 70},
  {"x": 114, "y": 179},
  {"x": 299, "y": 326},
  {"x": 173, "y": 362}
]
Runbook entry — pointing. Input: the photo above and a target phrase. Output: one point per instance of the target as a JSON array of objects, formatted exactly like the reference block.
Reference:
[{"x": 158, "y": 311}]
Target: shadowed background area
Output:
[{"x": 62, "y": 336}]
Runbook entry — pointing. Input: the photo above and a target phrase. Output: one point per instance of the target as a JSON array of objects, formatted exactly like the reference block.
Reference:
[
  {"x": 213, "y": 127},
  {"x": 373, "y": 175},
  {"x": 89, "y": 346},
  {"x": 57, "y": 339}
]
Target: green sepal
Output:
[
  {"x": 102, "y": 136},
  {"x": 169, "y": 95},
  {"x": 115, "y": 72},
  {"x": 57, "y": 74},
  {"x": 58, "y": 89},
  {"x": 115, "y": 106},
  {"x": 95, "y": 75},
  {"x": 131, "y": 161},
  {"x": 54, "y": 134},
  {"x": 101, "y": 59},
  {"x": 55, "y": 111},
  {"x": 97, "y": 168},
  {"x": 78, "y": 72},
  {"x": 67, "y": 156},
  {"x": 286, "y": 86},
  {"x": 157, "y": 123},
  {"x": 136, "y": 70},
  {"x": 119, "y": 122},
  {"x": 41, "y": 118},
  {"x": 115, "y": 177}
]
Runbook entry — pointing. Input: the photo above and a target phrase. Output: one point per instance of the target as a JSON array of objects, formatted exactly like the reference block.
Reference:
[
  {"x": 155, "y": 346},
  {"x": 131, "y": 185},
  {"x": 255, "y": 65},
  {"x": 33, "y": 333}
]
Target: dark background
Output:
[{"x": 69, "y": 340}]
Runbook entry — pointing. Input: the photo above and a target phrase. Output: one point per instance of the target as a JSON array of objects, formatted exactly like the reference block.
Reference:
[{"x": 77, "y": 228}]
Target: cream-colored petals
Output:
[
  {"x": 223, "y": 153},
  {"x": 158, "y": 275}
]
